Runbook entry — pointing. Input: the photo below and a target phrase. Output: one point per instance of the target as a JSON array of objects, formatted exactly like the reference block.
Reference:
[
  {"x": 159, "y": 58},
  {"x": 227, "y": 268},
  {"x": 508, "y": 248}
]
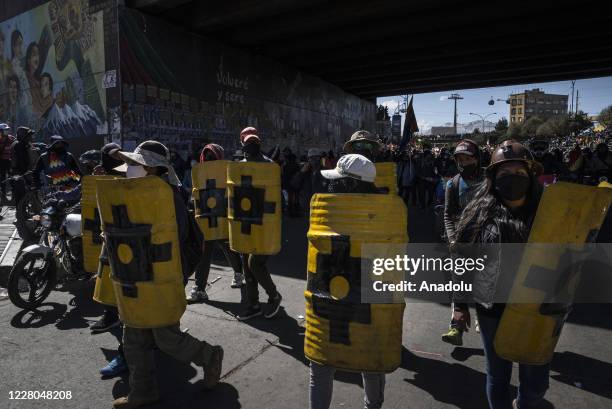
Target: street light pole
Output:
[
  {"x": 483, "y": 117},
  {"x": 455, "y": 97}
]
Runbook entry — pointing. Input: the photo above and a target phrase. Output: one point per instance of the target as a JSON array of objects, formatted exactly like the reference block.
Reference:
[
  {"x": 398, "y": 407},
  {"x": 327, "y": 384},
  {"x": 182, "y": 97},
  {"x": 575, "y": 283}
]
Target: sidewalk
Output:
[{"x": 9, "y": 246}]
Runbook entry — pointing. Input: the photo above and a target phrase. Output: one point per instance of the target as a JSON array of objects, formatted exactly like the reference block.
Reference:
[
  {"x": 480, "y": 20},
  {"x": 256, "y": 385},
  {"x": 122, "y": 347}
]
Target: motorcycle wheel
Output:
[
  {"x": 27, "y": 207},
  {"x": 31, "y": 280}
]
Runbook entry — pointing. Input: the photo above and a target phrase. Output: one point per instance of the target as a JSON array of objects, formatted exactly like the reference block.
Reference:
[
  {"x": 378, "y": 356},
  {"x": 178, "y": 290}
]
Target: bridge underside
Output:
[{"x": 375, "y": 48}]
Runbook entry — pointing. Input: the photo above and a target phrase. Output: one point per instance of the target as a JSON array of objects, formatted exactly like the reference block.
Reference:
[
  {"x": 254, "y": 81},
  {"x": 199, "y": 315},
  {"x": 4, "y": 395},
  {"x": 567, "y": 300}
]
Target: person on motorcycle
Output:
[
  {"x": 61, "y": 168},
  {"x": 460, "y": 191},
  {"x": 152, "y": 158},
  {"x": 6, "y": 141},
  {"x": 21, "y": 161},
  {"x": 212, "y": 152}
]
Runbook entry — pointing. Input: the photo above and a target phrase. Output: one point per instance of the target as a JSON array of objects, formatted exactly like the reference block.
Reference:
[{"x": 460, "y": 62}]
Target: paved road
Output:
[{"x": 52, "y": 349}]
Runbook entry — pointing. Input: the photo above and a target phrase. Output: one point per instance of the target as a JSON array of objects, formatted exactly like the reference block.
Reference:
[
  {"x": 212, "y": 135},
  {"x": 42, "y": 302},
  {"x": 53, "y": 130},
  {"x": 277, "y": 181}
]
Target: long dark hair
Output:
[
  {"x": 28, "y": 55},
  {"x": 14, "y": 36},
  {"x": 486, "y": 207}
]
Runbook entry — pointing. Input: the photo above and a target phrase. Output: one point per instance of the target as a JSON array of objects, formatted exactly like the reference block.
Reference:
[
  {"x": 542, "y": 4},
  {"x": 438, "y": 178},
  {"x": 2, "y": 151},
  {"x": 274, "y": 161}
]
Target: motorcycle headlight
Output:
[{"x": 45, "y": 221}]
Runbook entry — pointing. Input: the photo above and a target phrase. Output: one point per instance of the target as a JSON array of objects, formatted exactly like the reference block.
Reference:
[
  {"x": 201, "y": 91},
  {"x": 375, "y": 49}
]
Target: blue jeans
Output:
[{"x": 533, "y": 379}]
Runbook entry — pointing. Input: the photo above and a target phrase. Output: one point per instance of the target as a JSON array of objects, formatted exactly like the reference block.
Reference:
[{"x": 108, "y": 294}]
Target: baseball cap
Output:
[
  {"x": 353, "y": 166},
  {"x": 249, "y": 134}
]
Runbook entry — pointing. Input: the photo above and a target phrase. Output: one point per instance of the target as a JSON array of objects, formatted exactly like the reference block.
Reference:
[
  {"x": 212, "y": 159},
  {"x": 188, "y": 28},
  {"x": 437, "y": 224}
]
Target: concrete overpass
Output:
[{"x": 375, "y": 48}]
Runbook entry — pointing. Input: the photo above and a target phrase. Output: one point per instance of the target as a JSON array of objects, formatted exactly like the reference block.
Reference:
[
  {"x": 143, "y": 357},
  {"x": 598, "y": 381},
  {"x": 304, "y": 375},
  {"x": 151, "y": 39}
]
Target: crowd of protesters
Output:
[{"x": 427, "y": 175}]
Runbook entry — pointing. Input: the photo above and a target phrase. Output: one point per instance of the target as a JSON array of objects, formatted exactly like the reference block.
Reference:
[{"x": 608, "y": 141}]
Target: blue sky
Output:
[{"x": 434, "y": 109}]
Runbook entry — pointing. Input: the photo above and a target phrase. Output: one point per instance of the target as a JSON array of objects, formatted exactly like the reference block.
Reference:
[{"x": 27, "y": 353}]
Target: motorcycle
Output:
[{"x": 56, "y": 258}]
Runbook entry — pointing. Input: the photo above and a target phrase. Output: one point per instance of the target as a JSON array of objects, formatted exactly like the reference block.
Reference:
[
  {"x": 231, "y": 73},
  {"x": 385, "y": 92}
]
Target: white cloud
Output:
[
  {"x": 424, "y": 125},
  {"x": 443, "y": 98},
  {"x": 391, "y": 104}
]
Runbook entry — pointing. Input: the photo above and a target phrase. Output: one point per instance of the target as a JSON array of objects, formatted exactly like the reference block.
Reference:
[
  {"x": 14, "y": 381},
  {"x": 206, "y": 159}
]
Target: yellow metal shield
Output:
[
  {"x": 104, "y": 291},
  {"x": 569, "y": 214},
  {"x": 141, "y": 236},
  {"x": 386, "y": 177},
  {"x": 210, "y": 198},
  {"x": 254, "y": 211},
  {"x": 90, "y": 227},
  {"x": 341, "y": 331}
]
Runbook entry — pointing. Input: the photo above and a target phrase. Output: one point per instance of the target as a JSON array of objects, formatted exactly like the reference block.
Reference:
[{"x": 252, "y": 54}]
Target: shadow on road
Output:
[
  {"x": 47, "y": 313},
  {"x": 592, "y": 315},
  {"x": 589, "y": 374},
  {"x": 449, "y": 383},
  {"x": 179, "y": 388},
  {"x": 289, "y": 332}
]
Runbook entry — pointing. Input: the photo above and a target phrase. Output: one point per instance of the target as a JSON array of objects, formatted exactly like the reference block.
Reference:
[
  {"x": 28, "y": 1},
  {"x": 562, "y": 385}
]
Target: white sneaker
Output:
[
  {"x": 238, "y": 280},
  {"x": 197, "y": 295}
]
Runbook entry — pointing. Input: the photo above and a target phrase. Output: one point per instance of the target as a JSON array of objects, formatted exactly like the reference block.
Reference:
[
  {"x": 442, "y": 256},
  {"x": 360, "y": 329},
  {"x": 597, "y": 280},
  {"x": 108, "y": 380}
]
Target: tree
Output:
[
  {"x": 476, "y": 131},
  {"x": 514, "y": 131},
  {"x": 559, "y": 125},
  {"x": 579, "y": 122},
  {"x": 605, "y": 117},
  {"x": 530, "y": 126},
  {"x": 382, "y": 113},
  {"x": 501, "y": 125},
  {"x": 545, "y": 130}
]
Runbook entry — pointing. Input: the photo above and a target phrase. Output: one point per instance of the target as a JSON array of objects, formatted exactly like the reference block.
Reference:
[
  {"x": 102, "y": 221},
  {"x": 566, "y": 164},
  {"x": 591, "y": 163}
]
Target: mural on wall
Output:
[
  {"x": 51, "y": 70},
  {"x": 185, "y": 90}
]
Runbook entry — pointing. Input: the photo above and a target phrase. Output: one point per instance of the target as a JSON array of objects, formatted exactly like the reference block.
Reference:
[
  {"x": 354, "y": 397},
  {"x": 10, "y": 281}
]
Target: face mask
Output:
[
  {"x": 467, "y": 170},
  {"x": 135, "y": 171},
  {"x": 512, "y": 187},
  {"x": 59, "y": 149},
  {"x": 251, "y": 149}
]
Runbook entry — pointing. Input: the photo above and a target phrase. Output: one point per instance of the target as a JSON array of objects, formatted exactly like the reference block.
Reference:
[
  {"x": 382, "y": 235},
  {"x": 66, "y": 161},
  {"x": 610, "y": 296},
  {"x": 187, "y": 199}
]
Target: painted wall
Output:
[
  {"x": 59, "y": 69},
  {"x": 185, "y": 90}
]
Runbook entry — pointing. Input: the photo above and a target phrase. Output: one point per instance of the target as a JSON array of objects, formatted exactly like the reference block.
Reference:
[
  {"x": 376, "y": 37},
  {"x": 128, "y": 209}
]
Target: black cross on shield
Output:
[
  {"x": 256, "y": 198},
  {"x": 123, "y": 236},
  {"x": 340, "y": 313}
]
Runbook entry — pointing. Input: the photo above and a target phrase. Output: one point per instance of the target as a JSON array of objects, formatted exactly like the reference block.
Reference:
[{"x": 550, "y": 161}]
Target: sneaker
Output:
[
  {"x": 212, "y": 372},
  {"x": 515, "y": 404},
  {"x": 104, "y": 324},
  {"x": 238, "y": 280},
  {"x": 196, "y": 295},
  {"x": 453, "y": 337},
  {"x": 250, "y": 312},
  {"x": 127, "y": 402},
  {"x": 477, "y": 327},
  {"x": 115, "y": 367},
  {"x": 273, "y": 306}
]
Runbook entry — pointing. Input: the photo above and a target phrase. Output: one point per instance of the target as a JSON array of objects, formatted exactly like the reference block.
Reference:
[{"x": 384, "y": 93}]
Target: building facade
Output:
[
  {"x": 536, "y": 102},
  {"x": 95, "y": 71}
]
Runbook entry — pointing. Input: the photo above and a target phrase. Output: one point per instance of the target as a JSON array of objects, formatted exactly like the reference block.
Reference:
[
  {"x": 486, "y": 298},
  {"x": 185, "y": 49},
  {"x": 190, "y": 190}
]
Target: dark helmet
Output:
[
  {"x": 467, "y": 147},
  {"x": 513, "y": 151}
]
